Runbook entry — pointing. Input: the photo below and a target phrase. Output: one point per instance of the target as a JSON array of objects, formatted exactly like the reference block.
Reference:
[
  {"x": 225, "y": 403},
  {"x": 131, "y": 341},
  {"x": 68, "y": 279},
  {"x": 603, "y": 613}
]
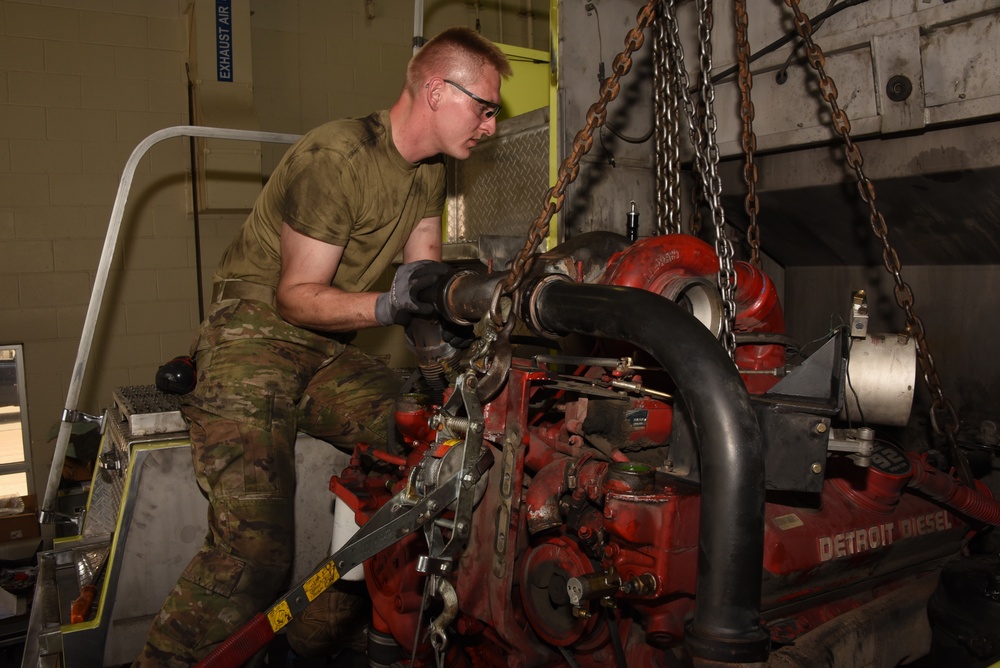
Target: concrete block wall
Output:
[{"x": 82, "y": 82}]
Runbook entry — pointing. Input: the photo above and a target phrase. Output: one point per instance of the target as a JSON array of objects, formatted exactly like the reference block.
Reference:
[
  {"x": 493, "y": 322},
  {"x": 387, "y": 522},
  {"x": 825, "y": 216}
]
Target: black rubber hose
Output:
[{"x": 726, "y": 625}]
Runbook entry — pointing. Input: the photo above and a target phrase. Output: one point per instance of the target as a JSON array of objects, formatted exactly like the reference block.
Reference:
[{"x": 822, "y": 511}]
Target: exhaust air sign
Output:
[{"x": 224, "y": 39}]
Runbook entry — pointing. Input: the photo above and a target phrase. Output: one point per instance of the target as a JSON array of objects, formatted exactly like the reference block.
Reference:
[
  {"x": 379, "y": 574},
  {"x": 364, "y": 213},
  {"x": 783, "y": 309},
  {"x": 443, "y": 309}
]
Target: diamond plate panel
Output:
[
  {"x": 88, "y": 562},
  {"x": 106, "y": 494},
  {"x": 499, "y": 190},
  {"x": 140, "y": 411}
]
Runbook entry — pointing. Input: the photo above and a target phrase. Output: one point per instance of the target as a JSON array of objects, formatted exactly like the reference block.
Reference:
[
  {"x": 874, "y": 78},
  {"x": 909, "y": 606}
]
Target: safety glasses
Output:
[{"x": 490, "y": 109}]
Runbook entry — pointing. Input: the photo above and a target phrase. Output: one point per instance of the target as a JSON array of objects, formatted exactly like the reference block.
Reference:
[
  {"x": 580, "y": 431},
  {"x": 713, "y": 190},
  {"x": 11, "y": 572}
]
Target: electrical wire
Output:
[{"x": 785, "y": 39}]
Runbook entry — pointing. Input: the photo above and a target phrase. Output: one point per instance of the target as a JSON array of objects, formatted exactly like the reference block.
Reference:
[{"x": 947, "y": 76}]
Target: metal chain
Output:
[
  {"x": 706, "y": 149},
  {"x": 902, "y": 291},
  {"x": 751, "y": 204},
  {"x": 570, "y": 168},
  {"x": 666, "y": 119},
  {"x": 695, "y": 223}
]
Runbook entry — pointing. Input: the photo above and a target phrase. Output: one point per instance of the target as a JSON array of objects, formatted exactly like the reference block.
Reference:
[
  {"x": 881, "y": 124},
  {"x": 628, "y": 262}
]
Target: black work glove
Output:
[{"x": 397, "y": 306}]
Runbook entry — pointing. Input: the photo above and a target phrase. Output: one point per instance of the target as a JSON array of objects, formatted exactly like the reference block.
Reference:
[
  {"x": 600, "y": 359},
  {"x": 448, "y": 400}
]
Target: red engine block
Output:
[{"x": 577, "y": 559}]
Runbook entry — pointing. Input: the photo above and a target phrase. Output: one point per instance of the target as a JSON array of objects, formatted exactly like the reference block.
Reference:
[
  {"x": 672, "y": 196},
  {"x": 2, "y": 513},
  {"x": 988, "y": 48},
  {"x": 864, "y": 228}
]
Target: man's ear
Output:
[{"x": 433, "y": 90}]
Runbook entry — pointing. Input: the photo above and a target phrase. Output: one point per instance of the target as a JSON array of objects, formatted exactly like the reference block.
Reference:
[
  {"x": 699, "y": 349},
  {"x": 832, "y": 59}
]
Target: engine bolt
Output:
[
  {"x": 820, "y": 427},
  {"x": 816, "y": 467}
]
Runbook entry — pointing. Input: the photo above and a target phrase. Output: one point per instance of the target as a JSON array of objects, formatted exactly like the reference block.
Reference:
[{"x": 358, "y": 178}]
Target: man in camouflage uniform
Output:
[{"x": 272, "y": 355}]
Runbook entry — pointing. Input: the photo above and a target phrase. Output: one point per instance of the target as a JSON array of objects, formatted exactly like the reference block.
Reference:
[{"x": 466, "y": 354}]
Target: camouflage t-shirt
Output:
[{"x": 343, "y": 183}]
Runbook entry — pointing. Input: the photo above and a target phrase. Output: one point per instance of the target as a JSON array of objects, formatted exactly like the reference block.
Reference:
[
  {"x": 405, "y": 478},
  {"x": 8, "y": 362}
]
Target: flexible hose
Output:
[{"x": 947, "y": 489}]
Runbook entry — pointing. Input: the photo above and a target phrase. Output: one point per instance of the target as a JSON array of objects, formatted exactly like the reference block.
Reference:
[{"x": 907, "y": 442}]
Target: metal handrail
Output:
[{"x": 70, "y": 414}]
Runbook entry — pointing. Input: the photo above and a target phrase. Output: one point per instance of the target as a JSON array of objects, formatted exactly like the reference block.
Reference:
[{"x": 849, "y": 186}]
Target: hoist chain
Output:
[
  {"x": 696, "y": 198},
  {"x": 667, "y": 124},
  {"x": 751, "y": 204},
  {"x": 702, "y": 128},
  {"x": 570, "y": 168},
  {"x": 904, "y": 295}
]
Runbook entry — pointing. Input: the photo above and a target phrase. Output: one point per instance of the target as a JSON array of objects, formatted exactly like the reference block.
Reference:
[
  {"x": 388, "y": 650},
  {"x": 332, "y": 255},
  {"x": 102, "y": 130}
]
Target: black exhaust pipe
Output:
[{"x": 726, "y": 626}]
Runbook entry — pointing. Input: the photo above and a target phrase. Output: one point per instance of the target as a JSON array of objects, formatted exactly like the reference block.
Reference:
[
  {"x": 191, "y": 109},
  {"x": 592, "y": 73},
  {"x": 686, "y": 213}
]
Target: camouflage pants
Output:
[{"x": 260, "y": 380}]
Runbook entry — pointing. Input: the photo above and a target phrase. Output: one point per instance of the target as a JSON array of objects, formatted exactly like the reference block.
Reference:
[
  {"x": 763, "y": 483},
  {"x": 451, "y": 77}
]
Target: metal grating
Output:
[
  {"x": 148, "y": 410},
  {"x": 500, "y": 189}
]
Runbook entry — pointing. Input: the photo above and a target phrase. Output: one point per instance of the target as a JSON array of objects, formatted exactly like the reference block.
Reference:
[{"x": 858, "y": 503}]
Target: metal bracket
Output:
[{"x": 859, "y": 443}]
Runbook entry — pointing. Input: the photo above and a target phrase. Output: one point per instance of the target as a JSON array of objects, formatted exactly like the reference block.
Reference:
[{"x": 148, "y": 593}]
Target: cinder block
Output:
[
  {"x": 393, "y": 59},
  {"x": 135, "y": 63},
  {"x": 28, "y": 20},
  {"x": 169, "y": 96},
  {"x": 134, "y": 348},
  {"x": 79, "y": 58},
  {"x": 312, "y": 60},
  {"x": 283, "y": 16},
  {"x": 76, "y": 123},
  {"x": 158, "y": 317},
  {"x": 29, "y": 324},
  {"x": 24, "y": 189},
  {"x": 133, "y": 285},
  {"x": 325, "y": 18},
  {"x": 341, "y": 53},
  {"x": 77, "y": 254},
  {"x": 40, "y": 156},
  {"x": 169, "y": 222},
  {"x": 109, "y": 93},
  {"x": 382, "y": 29},
  {"x": 159, "y": 190},
  {"x": 72, "y": 318},
  {"x": 40, "y": 88},
  {"x": 367, "y": 56},
  {"x": 17, "y": 122},
  {"x": 161, "y": 8},
  {"x": 9, "y": 298},
  {"x": 179, "y": 283},
  {"x": 54, "y": 289},
  {"x": 167, "y": 33},
  {"x": 170, "y": 157},
  {"x": 50, "y": 390},
  {"x": 173, "y": 344},
  {"x": 101, "y": 381},
  {"x": 109, "y": 157},
  {"x": 137, "y": 125},
  {"x": 51, "y": 222},
  {"x": 161, "y": 253},
  {"x": 342, "y": 19},
  {"x": 69, "y": 321},
  {"x": 82, "y": 189},
  {"x": 18, "y": 256},
  {"x": 379, "y": 83},
  {"x": 114, "y": 29},
  {"x": 22, "y": 53},
  {"x": 6, "y": 223}
]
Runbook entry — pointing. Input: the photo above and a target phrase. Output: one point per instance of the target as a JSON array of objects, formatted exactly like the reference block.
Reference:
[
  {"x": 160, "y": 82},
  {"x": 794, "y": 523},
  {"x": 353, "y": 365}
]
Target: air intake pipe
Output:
[{"x": 726, "y": 626}]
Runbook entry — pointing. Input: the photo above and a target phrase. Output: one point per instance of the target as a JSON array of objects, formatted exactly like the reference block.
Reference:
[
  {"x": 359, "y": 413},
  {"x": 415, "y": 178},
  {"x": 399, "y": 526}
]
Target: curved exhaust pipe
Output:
[{"x": 726, "y": 626}]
